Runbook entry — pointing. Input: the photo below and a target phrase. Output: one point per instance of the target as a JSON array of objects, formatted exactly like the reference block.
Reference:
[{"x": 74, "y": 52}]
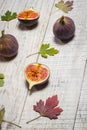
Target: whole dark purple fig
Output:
[
  {"x": 8, "y": 45},
  {"x": 64, "y": 28}
]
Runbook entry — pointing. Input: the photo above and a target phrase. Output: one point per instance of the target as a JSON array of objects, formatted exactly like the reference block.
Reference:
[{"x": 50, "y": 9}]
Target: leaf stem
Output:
[
  {"x": 8, "y": 24},
  {"x": 32, "y": 54},
  {"x": 11, "y": 123},
  {"x": 33, "y": 119}
]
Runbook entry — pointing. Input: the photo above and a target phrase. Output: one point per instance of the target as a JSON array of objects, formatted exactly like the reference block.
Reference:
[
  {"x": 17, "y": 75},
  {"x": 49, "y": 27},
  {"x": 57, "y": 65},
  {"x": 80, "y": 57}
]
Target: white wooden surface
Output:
[{"x": 68, "y": 69}]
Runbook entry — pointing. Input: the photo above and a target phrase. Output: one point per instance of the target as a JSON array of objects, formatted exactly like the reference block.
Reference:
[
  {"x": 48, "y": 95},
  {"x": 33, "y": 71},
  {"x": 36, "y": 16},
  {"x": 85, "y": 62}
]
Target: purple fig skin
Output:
[
  {"x": 64, "y": 28},
  {"x": 8, "y": 46},
  {"x": 28, "y": 23}
]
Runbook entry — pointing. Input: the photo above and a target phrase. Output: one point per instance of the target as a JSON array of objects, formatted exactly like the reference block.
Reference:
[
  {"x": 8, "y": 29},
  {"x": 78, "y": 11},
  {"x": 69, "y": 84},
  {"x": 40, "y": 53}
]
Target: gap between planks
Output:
[
  {"x": 45, "y": 29},
  {"x": 85, "y": 67}
]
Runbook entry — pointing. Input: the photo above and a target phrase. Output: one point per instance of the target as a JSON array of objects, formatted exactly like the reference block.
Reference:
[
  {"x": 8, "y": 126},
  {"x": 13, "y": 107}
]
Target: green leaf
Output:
[
  {"x": 45, "y": 50},
  {"x": 2, "y": 76},
  {"x": 9, "y": 16},
  {"x": 2, "y": 112},
  {"x": 65, "y": 7},
  {"x": 1, "y": 82}
]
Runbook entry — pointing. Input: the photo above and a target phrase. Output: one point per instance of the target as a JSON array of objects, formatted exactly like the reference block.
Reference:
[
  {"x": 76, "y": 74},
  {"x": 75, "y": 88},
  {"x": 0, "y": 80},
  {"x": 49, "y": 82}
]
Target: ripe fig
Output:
[
  {"x": 64, "y": 28},
  {"x": 8, "y": 45},
  {"x": 28, "y": 17},
  {"x": 36, "y": 73}
]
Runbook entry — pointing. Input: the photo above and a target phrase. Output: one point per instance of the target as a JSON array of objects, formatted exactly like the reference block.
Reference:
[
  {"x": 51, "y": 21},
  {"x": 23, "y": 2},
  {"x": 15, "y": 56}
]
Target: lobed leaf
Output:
[
  {"x": 8, "y": 16},
  {"x": 45, "y": 50},
  {"x": 1, "y": 79},
  {"x": 2, "y": 112},
  {"x": 65, "y": 7},
  {"x": 1, "y": 82},
  {"x": 2, "y": 76},
  {"x": 48, "y": 109}
]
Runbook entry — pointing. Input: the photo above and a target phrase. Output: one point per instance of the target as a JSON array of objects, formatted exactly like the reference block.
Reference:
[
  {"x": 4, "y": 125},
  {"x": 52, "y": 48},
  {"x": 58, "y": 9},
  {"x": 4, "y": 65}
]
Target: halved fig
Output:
[
  {"x": 36, "y": 73},
  {"x": 28, "y": 17}
]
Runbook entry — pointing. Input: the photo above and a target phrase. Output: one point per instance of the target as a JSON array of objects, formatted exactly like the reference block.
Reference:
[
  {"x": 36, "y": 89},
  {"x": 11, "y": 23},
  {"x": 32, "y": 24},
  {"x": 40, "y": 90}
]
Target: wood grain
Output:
[{"x": 68, "y": 78}]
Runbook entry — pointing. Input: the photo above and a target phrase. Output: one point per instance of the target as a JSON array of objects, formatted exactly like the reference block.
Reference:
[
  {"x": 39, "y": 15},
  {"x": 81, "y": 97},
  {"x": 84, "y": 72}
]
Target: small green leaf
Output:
[
  {"x": 65, "y": 7},
  {"x": 9, "y": 16},
  {"x": 1, "y": 82},
  {"x": 2, "y": 76},
  {"x": 45, "y": 50},
  {"x": 2, "y": 112}
]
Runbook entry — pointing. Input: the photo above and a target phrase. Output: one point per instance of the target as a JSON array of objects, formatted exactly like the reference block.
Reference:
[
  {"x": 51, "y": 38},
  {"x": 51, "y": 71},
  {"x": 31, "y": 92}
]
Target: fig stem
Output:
[
  {"x": 33, "y": 119},
  {"x": 32, "y": 54},
  {"x": 3, "y": 33},
  {"x": 11, "y": 123},
  {"x": 62, "y": 20}
]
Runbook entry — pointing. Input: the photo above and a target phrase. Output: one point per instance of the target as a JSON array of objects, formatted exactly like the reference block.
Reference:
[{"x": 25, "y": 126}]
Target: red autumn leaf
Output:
[{"x": 50, "y": 108}]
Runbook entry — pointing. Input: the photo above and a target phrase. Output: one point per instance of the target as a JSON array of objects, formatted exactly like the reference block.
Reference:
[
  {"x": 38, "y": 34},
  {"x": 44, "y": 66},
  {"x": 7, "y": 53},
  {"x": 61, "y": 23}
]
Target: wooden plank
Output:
[{"x": 81, "y": 116}]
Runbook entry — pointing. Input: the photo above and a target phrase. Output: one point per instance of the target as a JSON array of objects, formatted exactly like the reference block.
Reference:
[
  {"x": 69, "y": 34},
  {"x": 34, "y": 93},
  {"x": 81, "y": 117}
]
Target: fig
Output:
[
  {"x": 64, "y": 28},
  {"x": 36, "y": 73},
  {"x": 28, "y": 17},
  {"x": 8, "y": 45}
]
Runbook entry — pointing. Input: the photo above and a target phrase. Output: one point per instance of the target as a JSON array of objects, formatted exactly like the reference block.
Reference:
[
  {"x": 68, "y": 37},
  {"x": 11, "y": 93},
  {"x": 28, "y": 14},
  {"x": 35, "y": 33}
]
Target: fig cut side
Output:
[
  {"x": 36, "y": 74},
  {"x": 28, "y": 17}
]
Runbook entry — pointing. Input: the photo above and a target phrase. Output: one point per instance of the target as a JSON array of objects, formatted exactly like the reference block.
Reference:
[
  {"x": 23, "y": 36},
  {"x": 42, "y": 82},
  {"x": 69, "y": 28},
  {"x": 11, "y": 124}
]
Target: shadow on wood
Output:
[
  {"x": 24, "y": 27},
  {"x": 7, "y": 59},
  {"x": 38, "y": 87},
  {"x": 62, "y": 42}
]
